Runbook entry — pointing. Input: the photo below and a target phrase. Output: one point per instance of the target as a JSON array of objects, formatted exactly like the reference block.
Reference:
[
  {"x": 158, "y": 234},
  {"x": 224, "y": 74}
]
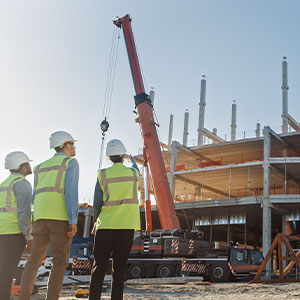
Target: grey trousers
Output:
[{"x": 11, "y": 249}]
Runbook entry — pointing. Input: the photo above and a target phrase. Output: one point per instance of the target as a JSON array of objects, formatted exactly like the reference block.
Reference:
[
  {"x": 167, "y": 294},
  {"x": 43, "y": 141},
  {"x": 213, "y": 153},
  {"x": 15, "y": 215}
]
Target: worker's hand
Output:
[
  {"x": 131, "y": 157},
  {"x": 28, "y": 246},
  {"x": 72, "y": 230}
]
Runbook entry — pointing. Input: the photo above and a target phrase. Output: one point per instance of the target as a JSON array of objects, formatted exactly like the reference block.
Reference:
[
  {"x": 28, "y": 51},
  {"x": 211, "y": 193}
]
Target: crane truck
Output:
[{"x": 172, "y": 251}]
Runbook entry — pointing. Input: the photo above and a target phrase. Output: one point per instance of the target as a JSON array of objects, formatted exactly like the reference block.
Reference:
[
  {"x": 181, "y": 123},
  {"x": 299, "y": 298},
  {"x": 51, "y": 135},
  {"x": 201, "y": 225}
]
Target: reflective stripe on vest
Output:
[
  {"x": 105, "y": 181},
  {"x": 9, "y": 189},
  {"x": 60, "y": 174}
]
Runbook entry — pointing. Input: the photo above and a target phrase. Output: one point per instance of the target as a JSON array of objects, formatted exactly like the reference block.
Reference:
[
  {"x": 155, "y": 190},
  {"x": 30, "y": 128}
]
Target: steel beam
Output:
[
  {"x": 276, "y": 136},
  {"x": 293, "y": 123},
  {"x": 212, "y": 136},
  {"x": 211, "y": 189},
  {"x": 191, "y": 152},
  {"x": 284, "y": 199},
  {"x": 284, "y": 160},
  {"x": 219, "y": 203},
  {"x": 216, "y": 168}
]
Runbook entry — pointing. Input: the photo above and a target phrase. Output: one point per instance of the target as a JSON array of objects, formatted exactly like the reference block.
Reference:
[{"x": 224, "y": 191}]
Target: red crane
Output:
[{"x": 152, "y": 152}]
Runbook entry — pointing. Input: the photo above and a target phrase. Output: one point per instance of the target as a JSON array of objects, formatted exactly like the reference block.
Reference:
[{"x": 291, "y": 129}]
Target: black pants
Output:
[
  {"x": 11, "y": 249},
  {"x": 119, "y": 242}
]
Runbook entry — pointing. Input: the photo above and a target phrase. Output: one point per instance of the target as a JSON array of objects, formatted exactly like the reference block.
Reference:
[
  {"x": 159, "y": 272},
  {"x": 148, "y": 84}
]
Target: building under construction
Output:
[{"x": 239, "y": 190}]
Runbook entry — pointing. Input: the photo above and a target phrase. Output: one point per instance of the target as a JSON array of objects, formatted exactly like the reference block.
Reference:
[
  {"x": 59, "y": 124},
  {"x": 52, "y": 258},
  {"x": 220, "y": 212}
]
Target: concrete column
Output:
[
  {"x": 228, "y": 232},
  {"x": 211, "y": 231},
  {"x": 186, "y": 128},
  {"x": 266, "y": 230},
  {"x": 201, "y": 111},
  {"x": 87, "y": 223},
  {"x": 257, "y": 131},
  {"x": 170, "y": 130},
  {"x": 233, "y": 121},
  {"x": 173, "y": 161},
  {"x": 284, "y": 232},
  {"x": 285, "y": 88}
]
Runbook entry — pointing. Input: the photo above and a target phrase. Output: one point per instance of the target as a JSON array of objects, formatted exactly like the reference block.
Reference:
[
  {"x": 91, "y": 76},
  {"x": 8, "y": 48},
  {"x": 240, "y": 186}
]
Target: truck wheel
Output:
[
  {"x": 136, "y": 271},
  {"x": 163, "y": 271},
  {"x": 219, "y": 273},
  {"x": 178, "y": 272}
]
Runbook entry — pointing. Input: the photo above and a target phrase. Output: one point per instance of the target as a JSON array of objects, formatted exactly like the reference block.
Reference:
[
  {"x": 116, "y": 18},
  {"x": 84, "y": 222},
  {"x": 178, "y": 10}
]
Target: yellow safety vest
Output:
[
  {"x": 8, "y": 206},
  {"x": 120, "y": 208},
  {"x": 49, "y": 189}
]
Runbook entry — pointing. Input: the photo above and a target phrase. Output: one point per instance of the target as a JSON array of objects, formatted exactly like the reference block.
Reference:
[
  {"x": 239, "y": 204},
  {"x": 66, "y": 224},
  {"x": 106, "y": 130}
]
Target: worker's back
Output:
[{"x": 120, "y": 208}]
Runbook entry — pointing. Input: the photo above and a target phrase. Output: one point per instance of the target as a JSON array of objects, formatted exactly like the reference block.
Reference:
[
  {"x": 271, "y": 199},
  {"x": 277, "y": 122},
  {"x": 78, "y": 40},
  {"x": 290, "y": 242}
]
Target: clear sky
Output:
[{"x": 55, "y": 55}]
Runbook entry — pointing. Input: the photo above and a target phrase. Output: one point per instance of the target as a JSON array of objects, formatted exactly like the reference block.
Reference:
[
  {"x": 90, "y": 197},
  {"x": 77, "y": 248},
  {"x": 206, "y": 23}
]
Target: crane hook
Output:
[{"x": 104, "y": 126}]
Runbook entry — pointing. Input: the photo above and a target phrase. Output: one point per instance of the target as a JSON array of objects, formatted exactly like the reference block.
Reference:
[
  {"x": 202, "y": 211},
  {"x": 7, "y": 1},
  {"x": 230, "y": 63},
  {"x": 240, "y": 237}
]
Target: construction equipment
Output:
[
  {"x": 15, "y": 290},
  {"x": 145, "y": 118},
  {"x": 82, "y": 293},
  {"x": 281, "y": 241},
  {"x": 171, "y": 250}
]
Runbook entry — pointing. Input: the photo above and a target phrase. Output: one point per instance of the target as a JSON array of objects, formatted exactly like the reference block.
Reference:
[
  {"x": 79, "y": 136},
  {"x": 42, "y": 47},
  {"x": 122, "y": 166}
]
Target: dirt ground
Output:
[{"x": 215, "y": 291}]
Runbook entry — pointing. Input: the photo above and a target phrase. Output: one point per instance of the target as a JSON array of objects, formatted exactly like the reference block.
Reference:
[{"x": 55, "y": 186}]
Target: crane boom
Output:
[{"x": 165, "y": 204}]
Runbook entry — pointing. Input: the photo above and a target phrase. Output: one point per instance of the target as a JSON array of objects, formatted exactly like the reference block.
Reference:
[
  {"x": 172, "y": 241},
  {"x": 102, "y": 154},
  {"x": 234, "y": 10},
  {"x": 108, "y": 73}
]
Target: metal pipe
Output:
[
  {"x": 285, "y": 88},
  {"x": 201, "y": 111},
  {"x": 233, "y": 121},
  {"x": 186, "y": 128},
  {"x": 170, "y": 129}
]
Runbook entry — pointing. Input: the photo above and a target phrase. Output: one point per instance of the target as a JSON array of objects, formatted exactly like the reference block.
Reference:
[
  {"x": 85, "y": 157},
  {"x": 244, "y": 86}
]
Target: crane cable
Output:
[{"x": 109, "y": 87}]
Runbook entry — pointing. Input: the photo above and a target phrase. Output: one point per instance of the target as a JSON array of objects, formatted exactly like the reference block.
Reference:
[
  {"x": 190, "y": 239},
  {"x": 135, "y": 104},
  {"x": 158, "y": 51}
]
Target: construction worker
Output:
[
  {"x": 15, "y": 218},
  {"x": 55, "y": 203},
  {"x": 117, "y": 215}
]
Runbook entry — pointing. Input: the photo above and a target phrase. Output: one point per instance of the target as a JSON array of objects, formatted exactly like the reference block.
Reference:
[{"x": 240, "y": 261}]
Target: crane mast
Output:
[{"x": 152, "y": 152}]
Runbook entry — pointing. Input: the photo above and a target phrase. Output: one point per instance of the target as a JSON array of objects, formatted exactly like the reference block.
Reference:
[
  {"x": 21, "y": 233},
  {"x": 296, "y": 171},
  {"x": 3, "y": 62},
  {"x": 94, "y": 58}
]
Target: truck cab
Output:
[{"x": 244, "y": 262}]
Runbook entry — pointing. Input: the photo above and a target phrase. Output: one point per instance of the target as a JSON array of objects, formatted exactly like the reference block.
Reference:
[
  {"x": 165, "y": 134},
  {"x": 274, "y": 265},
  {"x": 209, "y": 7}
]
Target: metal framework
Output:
[{"x": 280, "y": 241}]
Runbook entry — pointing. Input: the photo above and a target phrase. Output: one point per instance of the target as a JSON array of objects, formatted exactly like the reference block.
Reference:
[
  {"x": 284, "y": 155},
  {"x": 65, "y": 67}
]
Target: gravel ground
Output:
[{"x": 215, "y": 291}]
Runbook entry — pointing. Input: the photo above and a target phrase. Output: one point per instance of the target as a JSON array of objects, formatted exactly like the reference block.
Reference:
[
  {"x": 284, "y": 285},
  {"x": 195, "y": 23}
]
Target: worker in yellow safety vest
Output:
[
  {"x": 15, "y": 218},
  {"x": 55, "y": 203},
  {"x": 117, "y": 215}
]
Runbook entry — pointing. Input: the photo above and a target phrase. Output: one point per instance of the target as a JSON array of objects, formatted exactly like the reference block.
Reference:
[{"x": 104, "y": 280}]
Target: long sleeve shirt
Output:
[
  {"x": 71, "y": 189},
  {"x": 23, "y": 192},
  {"x": 98, "y": 195}
]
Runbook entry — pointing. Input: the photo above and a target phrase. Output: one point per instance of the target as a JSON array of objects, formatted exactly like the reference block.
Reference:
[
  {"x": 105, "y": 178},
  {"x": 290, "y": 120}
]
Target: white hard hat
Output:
[
  {"x": 15, "y": 159},
  {"x": 115, "y": 147},
  {"x": 58, "y": 138}
]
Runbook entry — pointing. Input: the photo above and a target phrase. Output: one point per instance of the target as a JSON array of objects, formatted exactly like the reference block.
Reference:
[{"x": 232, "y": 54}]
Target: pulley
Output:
[{"x": 104, "y": 126}]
